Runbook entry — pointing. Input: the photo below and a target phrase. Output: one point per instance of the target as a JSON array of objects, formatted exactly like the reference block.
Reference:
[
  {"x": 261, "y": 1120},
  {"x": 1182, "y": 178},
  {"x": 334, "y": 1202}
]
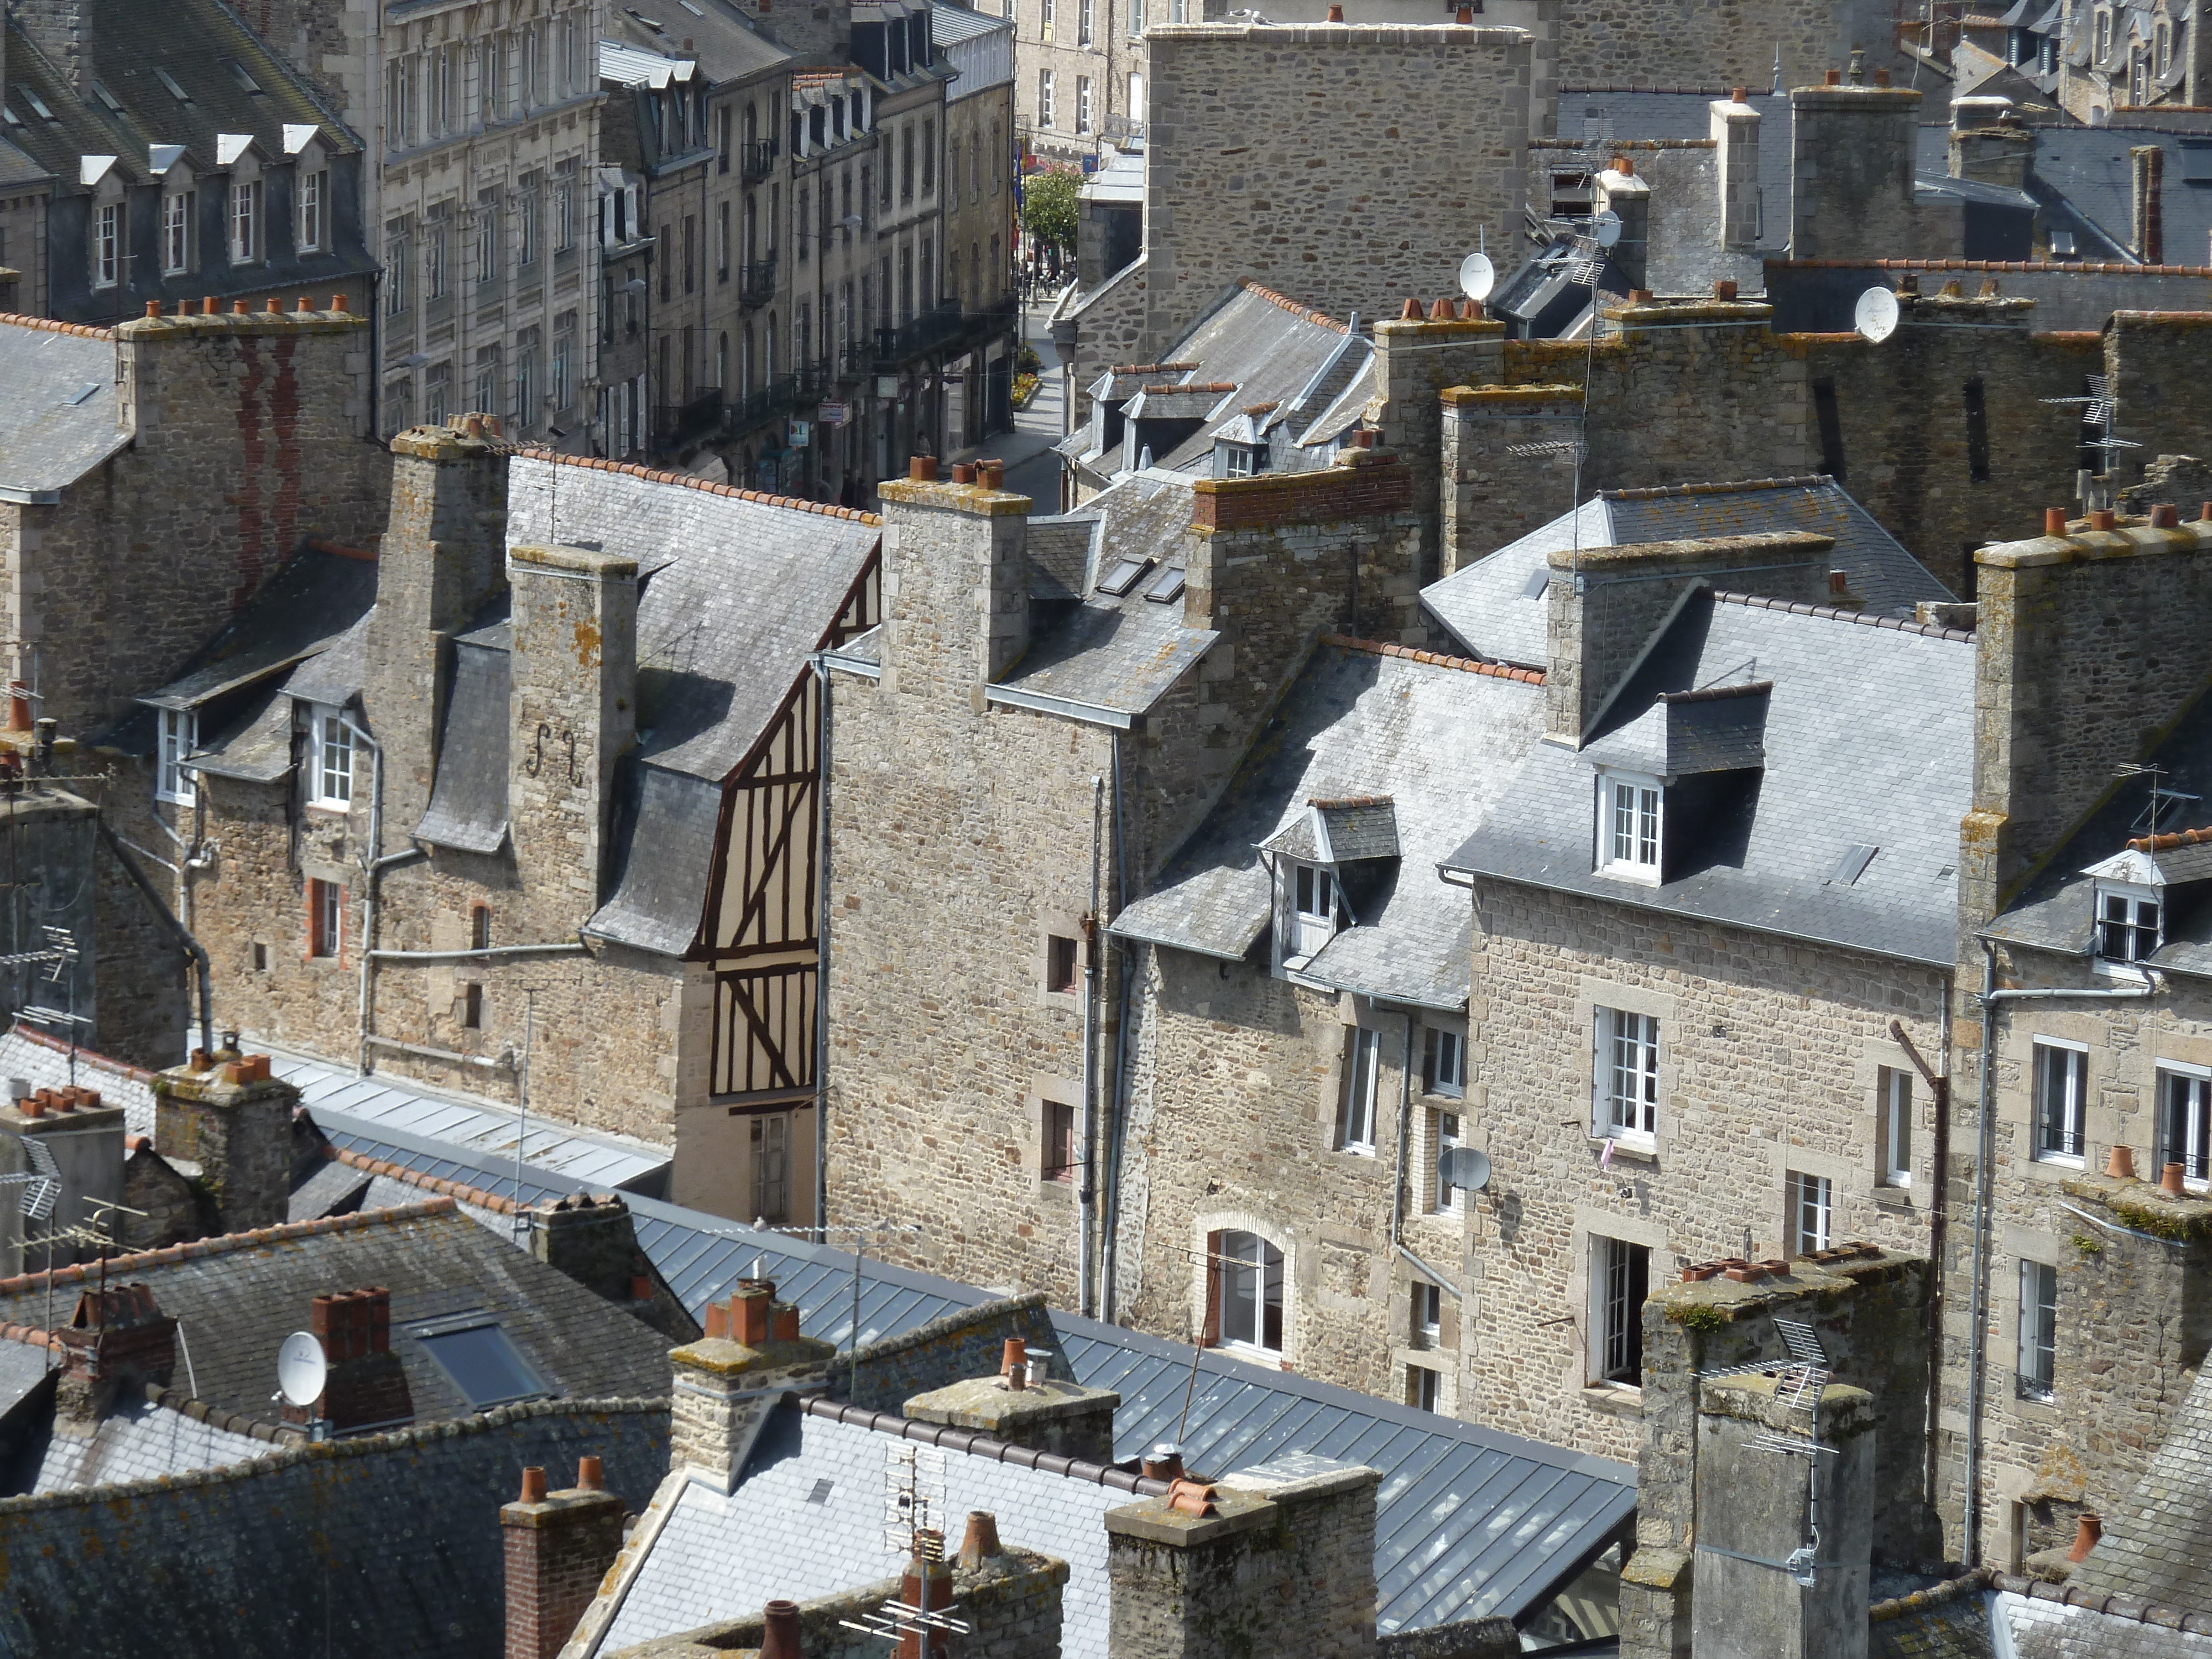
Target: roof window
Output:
[
  {"x": 169, "y": 84},
  {"x": 106, "y": 98},
  {"x": 246, "y": 83},
  {"x": 485, "y": 1365},
  {"x": 1123, "y": 577},
  {"x": 1167, "y": 586},
  {"x": 38, "y": 105}
]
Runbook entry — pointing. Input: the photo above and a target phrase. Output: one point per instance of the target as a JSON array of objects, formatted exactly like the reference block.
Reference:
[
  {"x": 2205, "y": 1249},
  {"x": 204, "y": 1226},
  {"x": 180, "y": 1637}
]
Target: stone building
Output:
[
  {"x": 531, "y": 797},
  {"x": 980, "y": 224},
  {"x": 217, "y": 173}
]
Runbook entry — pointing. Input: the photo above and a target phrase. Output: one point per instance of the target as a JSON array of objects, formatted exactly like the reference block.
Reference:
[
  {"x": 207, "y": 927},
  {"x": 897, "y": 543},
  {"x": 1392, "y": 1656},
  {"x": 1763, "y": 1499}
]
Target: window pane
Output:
[
  {"x": 485, "y": 1366},
  {"x": 2038, "y": 1328}
]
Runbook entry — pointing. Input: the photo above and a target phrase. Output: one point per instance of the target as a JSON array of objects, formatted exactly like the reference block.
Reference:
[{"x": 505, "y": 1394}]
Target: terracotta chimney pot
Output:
[
  {"x": 2121, "y": 1163},
  {"x": 2170, "y": 1182},
  {"x": 2054, "y": 520},
  {"x": 2086, "y": 1532},
  {"x": 533, "y": 1485}
]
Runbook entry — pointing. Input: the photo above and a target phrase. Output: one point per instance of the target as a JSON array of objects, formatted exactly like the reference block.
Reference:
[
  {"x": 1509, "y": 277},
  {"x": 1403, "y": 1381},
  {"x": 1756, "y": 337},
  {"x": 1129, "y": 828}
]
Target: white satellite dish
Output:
[
  {"x": 1875, "y": 315},
  {"x": 1477, "y": 277},
  {"x": 1465, "y": 1169},
  {"x": 301, "y": 1369},
  {"x": 1605, "y": 229}
]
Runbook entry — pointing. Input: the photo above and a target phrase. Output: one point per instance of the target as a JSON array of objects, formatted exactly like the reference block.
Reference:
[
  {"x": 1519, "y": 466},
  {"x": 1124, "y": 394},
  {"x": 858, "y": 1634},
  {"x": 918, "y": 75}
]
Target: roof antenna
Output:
[{"x": 1777, "y": 87}]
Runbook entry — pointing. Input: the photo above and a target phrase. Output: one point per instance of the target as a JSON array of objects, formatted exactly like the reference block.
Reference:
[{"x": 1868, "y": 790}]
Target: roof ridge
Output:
[
  {"x": 705, "y": 486},
  {"x": 228, "y": 1243},
  {"x": 459, "y": 1192},
  {"x": 1655, "y": 492},
  {"x": 86, "y": 330},
  {"x": 1497, "y": 671},
  {"x": 2113, "y": 1606},
  {"x": 1288, "y": 304},
  {"x": 2075, "y": 267},
  {"x": 85, "y": 1056},
  {"x": 979, "y": 1445},
  {"x": 353, "y": 1446},
  {"x": 1837, "y": 613}
]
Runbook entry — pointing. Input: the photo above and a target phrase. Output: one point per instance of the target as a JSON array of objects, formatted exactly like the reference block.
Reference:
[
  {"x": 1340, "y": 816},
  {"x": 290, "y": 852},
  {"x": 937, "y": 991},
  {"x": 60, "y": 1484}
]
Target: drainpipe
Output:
[
  {"x": 1985, "y": 1139},
  {"x": 1115, "y": 1129},
  {"x": 193, "y": 947},
  {"x": 1086, "y": 1134},
  {"x": 822, "y": 954}
]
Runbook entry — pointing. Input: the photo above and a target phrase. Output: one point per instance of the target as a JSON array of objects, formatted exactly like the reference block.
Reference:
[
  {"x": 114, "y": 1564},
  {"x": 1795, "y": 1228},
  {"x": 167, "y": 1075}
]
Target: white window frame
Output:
[
  {"x": 2035, "y": 1365},
  {"x": 1235, "y": 1268},
  {"x": 2068, "y": 1127},
  {"x": 312, "y": 211},
  {"x": 176, "y": 232},
  {"x": 1450, "y": 1136},
  {"x": 1082, "y": 96},
  {"x": 245, "y": 203},
  {"x": 1812, "y": 1199},
  {"x": 1363, "y": 1071},
  {"x": 1616, "y": 1345},
  {"x": 177, "y": 735},
  {"x": 1893, "y": 1107},
  {"x": 1044, "y": 84},
  {"x": 330, "y": 757},
  {"x": 1421, "y": 1387},
  {"x": 2184, "y": 1092},
  {"x": 1624, "y": 1103},
  {"x": 107, "y": 245},
  {"x": 1631, "y": 826},
  {"x": 2125, "y": 913},
  {"x": 1424, "y": 1322},
  {"x": 1443, "y": 1065},
  {"x": 1314, "y": 899}
]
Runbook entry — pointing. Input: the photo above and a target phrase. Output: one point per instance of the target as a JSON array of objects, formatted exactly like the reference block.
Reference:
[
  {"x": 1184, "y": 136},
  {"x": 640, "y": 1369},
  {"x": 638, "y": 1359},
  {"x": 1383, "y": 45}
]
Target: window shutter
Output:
[{"x": 1211, "y": 1333}]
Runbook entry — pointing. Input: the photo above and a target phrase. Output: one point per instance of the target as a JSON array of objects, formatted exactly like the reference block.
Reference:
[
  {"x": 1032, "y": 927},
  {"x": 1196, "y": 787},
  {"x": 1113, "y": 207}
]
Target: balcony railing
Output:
[
  {"x": 757, "y": 283},
  {"x": 948, "y": 329},
  {"x": 755, "y": 408},
  {"x": 756, "y": 160}
]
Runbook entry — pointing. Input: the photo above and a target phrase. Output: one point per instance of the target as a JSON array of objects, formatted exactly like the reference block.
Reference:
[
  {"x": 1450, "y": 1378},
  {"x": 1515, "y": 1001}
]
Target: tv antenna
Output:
[
  {"x": 2160, "y": 797},
  {"x": 40, "y": 1184},
  {"x": 2101, "y": 410},
  {"x": 1799, "y": 1383},
  {"x": 914, "y": 1501},
  {"x": 1874, "y": 317}
]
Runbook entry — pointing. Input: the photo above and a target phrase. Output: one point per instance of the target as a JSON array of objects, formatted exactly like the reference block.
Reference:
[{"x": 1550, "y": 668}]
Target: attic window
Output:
[
  {"x": 2128, "y": 922},
  {"x": 13, "y": 119},
  {"x": 484, "y": 1364},
  {"x": 38, "y": 105},
  {"x": 1167, "y": 586},
  {"x": 1314, "y": 905},
  {"x": 1630, "y": 821},
  {"x": 169, "y": 84},
  {"x": 2197, "y": 161},
  {"x": 1242, "y": 460},
  {"x": 105, "y": 97},
  {"x": 246, "y": 81},
  {"x": 1539, "y": 584},
  {"x": 1849, "y": 867},
  {"x": 1123, "y": 577}
]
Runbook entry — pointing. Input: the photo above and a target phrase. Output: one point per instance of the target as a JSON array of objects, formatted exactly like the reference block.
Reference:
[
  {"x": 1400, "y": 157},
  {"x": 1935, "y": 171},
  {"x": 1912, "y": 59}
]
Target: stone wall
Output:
[
  {"x": 1710, "y": 43},
  {"x": 1350, "y": 167},
  {"x": 1816, "y": 294}
]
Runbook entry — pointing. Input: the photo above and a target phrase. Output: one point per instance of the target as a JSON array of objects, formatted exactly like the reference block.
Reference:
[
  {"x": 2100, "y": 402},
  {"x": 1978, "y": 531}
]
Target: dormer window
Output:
[
  {"x": 1631, "y": 817},
  {"x": 2128, "y": 922},
  {"x": 1314, "y": 907},
  {"x": 1242, "y": 460}
]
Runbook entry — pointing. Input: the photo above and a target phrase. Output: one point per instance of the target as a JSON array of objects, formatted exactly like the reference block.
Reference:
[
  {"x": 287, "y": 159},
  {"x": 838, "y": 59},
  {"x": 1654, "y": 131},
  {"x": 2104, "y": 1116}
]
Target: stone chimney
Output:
[
  {"x": 1734, "y": 125},
  {"x": 1853, "y": 149},
  {"x": 1628, "y": 196},
  {"x": 1990, "y": 145},
  {"x": 1608, "y": 602},
  {"x": 955, "y": 585},
  {"x": 117, "y": 1340},
  {"x": 1046, "y": 1415},
  {"x": 233, "y": 1119},
  {"x": 1279, "y": 1558},
  {"x": 84, "y": 1138},
  {"x": 366, "y": 1387},
  {"x": 558, "y": 1547},
  {"x": 593, "y": 1240},
  {"x": 439, "y": 563},
  {"x": 2146, "y": 165},
  {"x": 573, "y": 702},
  {"x": 63, "y": 30},
  {"x": 1418, "y": 358},
  {"x": 727, "y": 1381},
  {"x": 1768, "y": 1505}
]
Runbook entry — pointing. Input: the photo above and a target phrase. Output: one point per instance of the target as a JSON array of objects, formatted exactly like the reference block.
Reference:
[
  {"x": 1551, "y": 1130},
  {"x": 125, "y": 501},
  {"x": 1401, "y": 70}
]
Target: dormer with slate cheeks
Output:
[
  {"x": 1245, "y": 444},
  {"x": 245, "y": 198},
  {"x": 1331, "y": 867},
  {"x": 1663, "y": 780},
  {"x": 2133, "y": 894}
]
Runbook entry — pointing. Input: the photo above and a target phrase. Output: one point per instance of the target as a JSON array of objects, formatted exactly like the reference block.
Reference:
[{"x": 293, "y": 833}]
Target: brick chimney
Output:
[
  {"x": 117, "y": 1340},
  {"x": 2147, "y": 166},
  {"x": 729, "y": 1380},
  {"x": 366, "y": 1387},
  {"x": 1734, "y": 130},
  {"x": 573, "y": 705},
  {"x": 558, "y": 1547},
  {"x": 440, "y": 562},
  {"x": 593, "y": 1240},
  {"x": 234, "y": 1119},
  {"x": 956, "y": 587},
  {"x": 1279, "y": 1558},
  {"x": 1853, "y": 150},
  {"x": 1608, "y": 602}
]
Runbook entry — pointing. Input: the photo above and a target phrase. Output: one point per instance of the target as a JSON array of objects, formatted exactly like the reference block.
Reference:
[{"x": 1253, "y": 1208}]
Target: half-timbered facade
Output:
[{"x": 545, "y": 817}]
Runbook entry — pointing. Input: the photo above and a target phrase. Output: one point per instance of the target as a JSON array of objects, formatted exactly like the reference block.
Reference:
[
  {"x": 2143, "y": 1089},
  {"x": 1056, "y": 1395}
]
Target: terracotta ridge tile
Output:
[
  {"x": 1287, "y": 303},
  {"x": 477, "y": 1197},
  {"x": 85, "y": 1056},
  {"x": 1660, "y": 492},
  {"x": 705, "y": 486},
  {"x": 229, "y": 1243},
  {"x": 84, "y": 331},
  {"x": 1435, "y": 660}
]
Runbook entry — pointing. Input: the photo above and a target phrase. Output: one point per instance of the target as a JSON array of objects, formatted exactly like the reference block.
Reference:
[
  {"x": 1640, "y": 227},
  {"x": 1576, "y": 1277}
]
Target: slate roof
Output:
[
  {"x": 299, "y": 612},
  {"x": 1441, "y": 741},
  {"x": 57, "y": 421},
  {"x": 1604, "y": 115},
  {"x": 467, "y": 809},
  {"x": 138, "y": 1441},
  {"x": 1685, "y": 734},
  {"x": 740, "y": 589},
  {"x": 200, "y": 44},
  {"x": 1468, "y": 1520},
  {"x": 2157, "y": 1546},
  {"x": 1497, "y": 608},
  {"x": 1869, "y": 743},
  {"x": 238, "y": 1296},
  {"x": 23, "y": 1367},
  {"x": 46, "y": 1066},
  {"x": 2085, "y": 181}
]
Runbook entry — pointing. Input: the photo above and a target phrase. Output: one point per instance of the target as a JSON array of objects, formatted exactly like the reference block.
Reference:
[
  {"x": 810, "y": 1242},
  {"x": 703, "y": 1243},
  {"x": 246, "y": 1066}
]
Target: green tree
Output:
[{"x": 1049, "y": 207}]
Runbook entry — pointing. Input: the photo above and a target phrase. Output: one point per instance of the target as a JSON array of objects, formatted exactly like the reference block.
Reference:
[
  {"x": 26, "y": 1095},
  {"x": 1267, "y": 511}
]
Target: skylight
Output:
[
  {"x": 1123, "y": 576},
  {"x": 38, "y": 105},
  {"x": 1167, "y": 585},
  {"x": 238, "y": 73},
  {"x": 107, "y": 97},
  {"x": 169, "y": 84},
  {"x": 484, "y": 1365}
]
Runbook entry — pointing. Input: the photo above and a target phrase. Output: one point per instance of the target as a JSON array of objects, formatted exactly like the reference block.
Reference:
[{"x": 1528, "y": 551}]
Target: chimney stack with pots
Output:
[
  {"x": 365, "y": 1387},
  {"x": 117, "y": 1340},
  {"x": 558, "y": 1547},
  {"x": 233, "y": 1119},
  {"x": 729, "y": 1380}
]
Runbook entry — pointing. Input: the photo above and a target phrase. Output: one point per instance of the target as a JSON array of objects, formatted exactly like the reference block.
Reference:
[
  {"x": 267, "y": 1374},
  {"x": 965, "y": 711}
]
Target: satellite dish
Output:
[
  {"x": 1875, "y": 315},
  {"x": 1477, "y": 277},
  {"x": 1465, "y": 1169},
  {"x": 1605, "y": 229},
  {"x": 301, "y": 1369}
]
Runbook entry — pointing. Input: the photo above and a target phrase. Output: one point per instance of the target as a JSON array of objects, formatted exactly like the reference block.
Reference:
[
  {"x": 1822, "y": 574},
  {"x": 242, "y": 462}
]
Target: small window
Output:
[
  {"x": 480, "y": 928},
  {"x": 1059, "y": 963},
  {"x": 1245, "y": 1291},
  {"x": 472, "y": 1008},
  {"x": 325, "y": 918},
  {"x": 260, "y": 958},
  {"x": 1627, "y": 1077},
  {"x": 331, "y": 772},
  {"x": 1448, "y": 1142},
  {"x": 2127, "y": 924},
  {"x": 2184, "y": 1122},
  {"x": 1425, "y": 1325},
  {"x": 180, "y": 735},
  {"x": 313, "y": 224},
  {"x": 245, "y": 221},
  {"x": 771, "y": 1148},
  {"x": 1812, "y": 1213},
  {"x": 2061, "y": 1084},
  {"x": 1444, "y": 1068},
  {"x": 1355, "y": 1118},
  {"x": 1313, "y": 898},
  {"x": 2039, "y": 1329},
  {"x": 1621, "y": 1273},
  {"x": 177, "y": 233},
  {"x": 1895, "y": 1129},
  {"x": 1123, "y": 576},
  {"x": 107, "y": 245},
  {"x": 1421, "y": 1387},
  {"x": 1058, "y": 1159},
  {"x": 1977, "y": 432},
  {"x": 1629, "y": 827},
  {"x": 485, "y": 1365}
]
